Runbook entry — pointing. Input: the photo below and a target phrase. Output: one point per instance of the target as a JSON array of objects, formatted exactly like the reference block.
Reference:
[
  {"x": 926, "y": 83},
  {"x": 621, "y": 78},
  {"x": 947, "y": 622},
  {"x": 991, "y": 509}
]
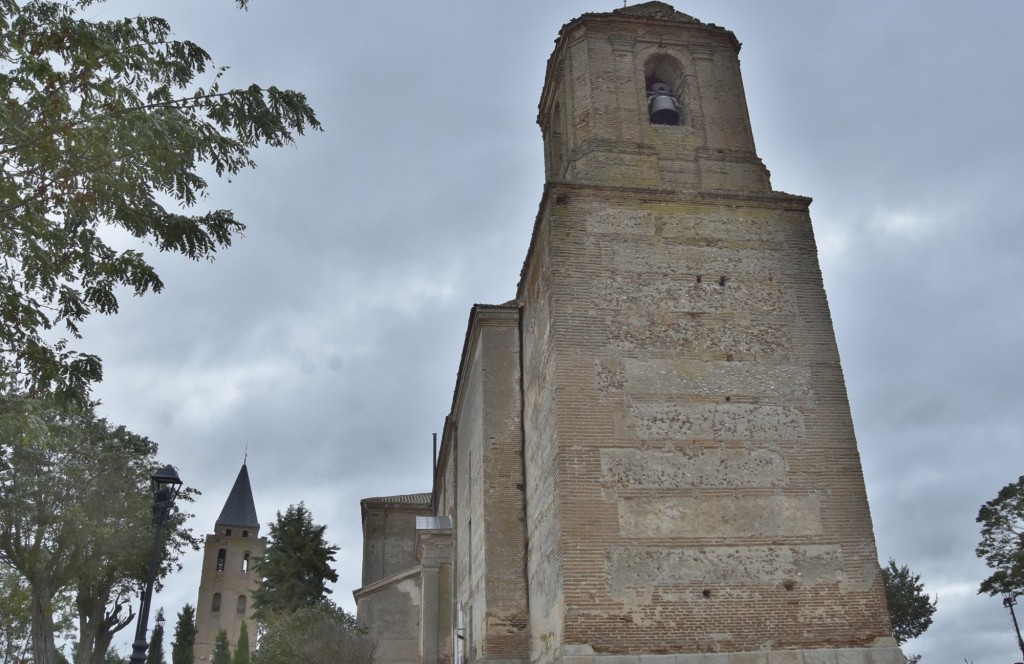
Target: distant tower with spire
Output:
[{"x": 228, "y": 579}]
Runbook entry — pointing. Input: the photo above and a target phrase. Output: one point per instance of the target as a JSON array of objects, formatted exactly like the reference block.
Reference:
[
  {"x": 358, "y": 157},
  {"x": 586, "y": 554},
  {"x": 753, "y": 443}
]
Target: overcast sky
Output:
[{"x": 327, "y": 340}]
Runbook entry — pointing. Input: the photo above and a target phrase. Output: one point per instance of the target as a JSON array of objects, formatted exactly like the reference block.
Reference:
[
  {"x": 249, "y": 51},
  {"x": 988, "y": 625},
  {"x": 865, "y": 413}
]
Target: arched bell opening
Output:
[{"x": 663, "y": 82}]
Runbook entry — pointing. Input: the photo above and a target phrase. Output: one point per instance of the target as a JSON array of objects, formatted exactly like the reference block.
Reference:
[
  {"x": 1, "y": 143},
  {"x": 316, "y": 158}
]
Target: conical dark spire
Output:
[{"x": 240, "y": 510}]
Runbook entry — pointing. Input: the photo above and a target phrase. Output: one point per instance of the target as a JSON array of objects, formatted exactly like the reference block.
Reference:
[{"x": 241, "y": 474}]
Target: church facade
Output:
[{"x": 650, "y": 456}]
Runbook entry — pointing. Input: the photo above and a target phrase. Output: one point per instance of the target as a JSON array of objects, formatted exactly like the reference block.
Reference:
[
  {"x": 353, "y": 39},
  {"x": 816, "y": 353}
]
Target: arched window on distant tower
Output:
[
  {"x": 221, "y": 555},
  {"x": 216, "y": 603},
  {"x": 664, "y": 83},
  {"x": 245, "y": 563},
  {"x": 241, "y": 604}
]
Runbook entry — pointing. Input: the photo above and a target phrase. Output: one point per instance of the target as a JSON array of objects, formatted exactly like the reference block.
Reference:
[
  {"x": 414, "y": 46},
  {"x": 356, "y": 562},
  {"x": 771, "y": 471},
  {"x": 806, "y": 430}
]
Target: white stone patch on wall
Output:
[
  {"x": 696, "y": 334},
  {"x": 764, "y": 297},
  {"x": 632, "y": 572},
  {"x": 692, "y": 469},
  {"x": 617, "y": 222},
  {"x": 717, "y": 421},
  {"x": 758, "y": 422},
  {"x": 609, "y": 377},
  {"x": 674, "y": 258},
  {"x": 734, "y": 230},
  {"x": 648, "y": 517},
  {"x": 661, "y": 377},
  {"x": 410, "y": 587}
]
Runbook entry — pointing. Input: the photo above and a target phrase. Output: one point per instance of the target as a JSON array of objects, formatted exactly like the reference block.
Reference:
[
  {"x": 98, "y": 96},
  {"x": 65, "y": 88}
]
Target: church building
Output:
[
  {"x": 650, "y": 457},
  {"x": 228, "y": 580}
]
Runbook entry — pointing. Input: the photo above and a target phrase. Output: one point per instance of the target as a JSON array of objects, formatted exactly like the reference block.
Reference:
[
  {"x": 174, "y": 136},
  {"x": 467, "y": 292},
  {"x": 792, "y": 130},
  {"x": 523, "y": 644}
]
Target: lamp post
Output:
[
  {"x": 1009, "y": 601},
  {"x": 166, "y": 485}
]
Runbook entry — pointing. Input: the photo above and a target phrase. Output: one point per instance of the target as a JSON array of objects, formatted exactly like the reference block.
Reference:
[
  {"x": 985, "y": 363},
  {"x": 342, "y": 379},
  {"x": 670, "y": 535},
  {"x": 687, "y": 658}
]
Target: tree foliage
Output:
[
  {"x": 317, "y": 634},
  {"x": 296, "y": 566},
  {"x": 75, "y": 517},
  {"x": 910, "y": 608},
  {"x": 241, "y": 655},
  {"x": 221, "y": 649},
  {"x": 16, "y": 615},
  {"x": 183, "y": 647},
  {"x": 155, "y": 654},
  {"x": 107, "y": 126},
  {"x": 1002, "y": 540}
]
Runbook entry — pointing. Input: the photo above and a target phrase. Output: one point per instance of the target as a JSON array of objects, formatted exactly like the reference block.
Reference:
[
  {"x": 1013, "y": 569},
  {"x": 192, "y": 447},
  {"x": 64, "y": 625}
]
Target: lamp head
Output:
[{"x": 166, "y": 482}]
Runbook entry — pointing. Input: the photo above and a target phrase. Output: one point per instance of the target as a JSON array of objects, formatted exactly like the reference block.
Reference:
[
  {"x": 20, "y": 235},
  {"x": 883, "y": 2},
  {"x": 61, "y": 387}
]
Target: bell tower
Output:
[
  {"x": 651, "y": 97},
  {"x": 693, "y": 486},
  {"x": 228, "y": 578}
]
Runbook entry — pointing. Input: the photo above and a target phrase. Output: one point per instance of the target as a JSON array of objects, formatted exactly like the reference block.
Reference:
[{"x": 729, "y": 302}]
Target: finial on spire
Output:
[{"x": 245, "y": 457}]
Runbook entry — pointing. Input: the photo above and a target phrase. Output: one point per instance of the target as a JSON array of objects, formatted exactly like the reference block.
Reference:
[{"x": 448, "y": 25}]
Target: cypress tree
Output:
[
  {"x": 242, "y": 648},
  {"x": 156, "y": 641},
  {"x": 183, "y": 648},
  {"x": 221, "y": 649}
]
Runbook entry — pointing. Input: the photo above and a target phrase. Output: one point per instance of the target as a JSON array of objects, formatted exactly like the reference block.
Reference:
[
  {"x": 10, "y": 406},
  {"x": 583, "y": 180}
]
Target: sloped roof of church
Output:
[
  {"x": 405, "y": 499},
  {"x": 240, "y": 510}
]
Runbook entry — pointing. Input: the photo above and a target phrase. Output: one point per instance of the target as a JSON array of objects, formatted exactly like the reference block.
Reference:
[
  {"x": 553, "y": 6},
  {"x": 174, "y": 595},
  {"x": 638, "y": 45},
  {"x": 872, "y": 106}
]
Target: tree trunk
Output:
[
  {"x": 97, "y": 625},
  {"x": 95, "y": 650},
  {"x": 93, "y": 642},
  {"x": 44, "y": 650}
]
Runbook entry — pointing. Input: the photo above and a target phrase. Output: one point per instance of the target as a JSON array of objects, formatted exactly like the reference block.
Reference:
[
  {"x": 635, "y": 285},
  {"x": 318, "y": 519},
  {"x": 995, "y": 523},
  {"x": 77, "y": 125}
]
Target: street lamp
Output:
[
  {"x": 166, "y": 485},
  {"x": 1009, "y": 601}
]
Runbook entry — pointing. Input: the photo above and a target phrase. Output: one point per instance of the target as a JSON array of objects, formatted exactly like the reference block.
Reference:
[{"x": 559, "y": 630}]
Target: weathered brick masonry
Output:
[{"x": 650, "y": 456}]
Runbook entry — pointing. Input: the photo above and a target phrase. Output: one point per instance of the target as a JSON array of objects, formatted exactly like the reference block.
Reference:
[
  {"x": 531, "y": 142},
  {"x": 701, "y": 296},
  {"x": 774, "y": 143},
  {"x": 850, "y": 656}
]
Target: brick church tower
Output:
[
  {"x": 228, "y": 579},
  {"x": 650, "y": 457},
  {"x": 692, "y": 478}
]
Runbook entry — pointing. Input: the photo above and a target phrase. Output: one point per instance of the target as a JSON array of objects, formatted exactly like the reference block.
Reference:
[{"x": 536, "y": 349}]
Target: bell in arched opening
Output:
[{"x": 662, "y": 104}]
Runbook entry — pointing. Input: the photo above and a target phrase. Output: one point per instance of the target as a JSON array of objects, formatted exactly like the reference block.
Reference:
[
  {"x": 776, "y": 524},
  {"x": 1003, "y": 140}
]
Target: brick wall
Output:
[
  {"x": 693, "y": 481},
  {"x": 236, "y": 578},
  {"x": 485, "y": 432},
  {"x": 711, "y": 497}
]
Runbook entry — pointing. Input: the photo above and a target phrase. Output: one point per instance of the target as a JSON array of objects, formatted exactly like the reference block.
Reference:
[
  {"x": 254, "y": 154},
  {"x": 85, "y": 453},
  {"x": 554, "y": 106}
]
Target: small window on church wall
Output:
[
  {"x": 245, "y": 563},
  {"x": 241, "y": 604},
  {"x": 216, "y": 602},
  {"x": 221, "y": 555},
  {"x": 245, "y": 533},
  {"x": 663, "y": 82},
  {"x": 227, "y": 532}
]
